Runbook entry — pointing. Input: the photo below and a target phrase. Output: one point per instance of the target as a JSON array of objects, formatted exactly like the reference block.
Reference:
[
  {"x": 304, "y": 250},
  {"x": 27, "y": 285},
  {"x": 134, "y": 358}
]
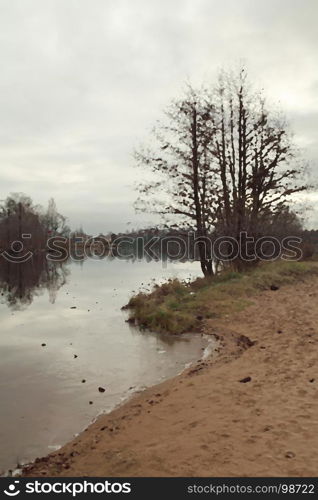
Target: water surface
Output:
[{"x": 75, "y": 309}]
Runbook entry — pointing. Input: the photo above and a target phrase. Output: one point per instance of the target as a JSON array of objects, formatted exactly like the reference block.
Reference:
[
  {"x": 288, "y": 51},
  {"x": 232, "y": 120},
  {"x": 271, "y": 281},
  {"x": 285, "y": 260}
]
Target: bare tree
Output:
[
  {"x": 223, "y": 163},
  {"x": 54, "y": 222},
  {"x": 184, "y": 170},
  {"x": 256, "y": 158}
]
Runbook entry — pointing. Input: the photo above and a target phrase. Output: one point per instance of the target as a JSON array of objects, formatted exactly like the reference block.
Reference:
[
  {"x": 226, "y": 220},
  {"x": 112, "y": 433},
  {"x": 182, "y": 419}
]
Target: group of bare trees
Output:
[
  {"x": 21, "y": 220},
  {"x": 222, "y": 164}
]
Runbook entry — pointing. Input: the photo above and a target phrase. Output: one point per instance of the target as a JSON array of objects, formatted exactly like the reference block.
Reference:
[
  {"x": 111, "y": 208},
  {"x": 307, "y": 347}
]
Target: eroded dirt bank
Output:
[{"x": 207, "y": 422}]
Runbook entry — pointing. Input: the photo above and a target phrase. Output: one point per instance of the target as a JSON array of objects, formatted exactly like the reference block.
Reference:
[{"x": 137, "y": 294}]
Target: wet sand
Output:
[{"x": 208, "y": 421}]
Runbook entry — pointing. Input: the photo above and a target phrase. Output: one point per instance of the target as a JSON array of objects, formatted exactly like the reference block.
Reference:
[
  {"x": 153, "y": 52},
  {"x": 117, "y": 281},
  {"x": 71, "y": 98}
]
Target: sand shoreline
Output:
[{"x": 212, "y": 420}]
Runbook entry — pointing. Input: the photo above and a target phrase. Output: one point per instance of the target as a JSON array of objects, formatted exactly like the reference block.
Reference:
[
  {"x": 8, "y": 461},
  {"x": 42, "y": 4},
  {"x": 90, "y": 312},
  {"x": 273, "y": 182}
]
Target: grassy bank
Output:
[{"x": 178, "y": 307}]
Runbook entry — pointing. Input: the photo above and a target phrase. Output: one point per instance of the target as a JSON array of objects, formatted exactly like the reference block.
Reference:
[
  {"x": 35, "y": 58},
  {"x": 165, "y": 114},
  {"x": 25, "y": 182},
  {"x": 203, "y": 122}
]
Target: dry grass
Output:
[{"x": 178, "y": 307}]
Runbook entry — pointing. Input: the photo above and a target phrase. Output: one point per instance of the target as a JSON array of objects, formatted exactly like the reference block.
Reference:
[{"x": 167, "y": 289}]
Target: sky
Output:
[{"x": 83, "y": 82}]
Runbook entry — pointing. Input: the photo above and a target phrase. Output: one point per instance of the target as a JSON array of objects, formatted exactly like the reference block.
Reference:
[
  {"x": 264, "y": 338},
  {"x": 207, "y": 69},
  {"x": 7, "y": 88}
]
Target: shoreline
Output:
[
  {"x": 249, "y": 412},
  {"x": 212, "y": 345}
]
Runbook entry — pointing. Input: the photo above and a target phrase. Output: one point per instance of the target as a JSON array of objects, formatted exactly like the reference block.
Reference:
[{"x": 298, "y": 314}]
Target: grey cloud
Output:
[{"x": 83, "y": 81}]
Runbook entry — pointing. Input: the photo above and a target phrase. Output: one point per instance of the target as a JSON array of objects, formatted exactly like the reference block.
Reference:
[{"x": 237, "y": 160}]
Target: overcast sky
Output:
[{"x": 83, "y": 81}]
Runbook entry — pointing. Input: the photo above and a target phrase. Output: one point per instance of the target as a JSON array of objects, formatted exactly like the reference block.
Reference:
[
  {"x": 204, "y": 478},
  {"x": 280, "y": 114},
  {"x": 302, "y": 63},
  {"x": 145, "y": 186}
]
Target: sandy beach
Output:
[{"x": 252, "y": 411}]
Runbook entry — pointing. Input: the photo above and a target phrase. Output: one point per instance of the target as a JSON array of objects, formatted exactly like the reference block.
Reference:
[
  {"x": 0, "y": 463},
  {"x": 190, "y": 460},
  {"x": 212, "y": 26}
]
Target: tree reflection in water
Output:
[{"x": 21, "y": 282}]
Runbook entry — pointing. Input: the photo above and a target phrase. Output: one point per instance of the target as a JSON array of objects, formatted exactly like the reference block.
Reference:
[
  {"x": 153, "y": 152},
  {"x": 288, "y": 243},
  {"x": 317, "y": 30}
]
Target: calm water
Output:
[{"x": 43, "y": 400}]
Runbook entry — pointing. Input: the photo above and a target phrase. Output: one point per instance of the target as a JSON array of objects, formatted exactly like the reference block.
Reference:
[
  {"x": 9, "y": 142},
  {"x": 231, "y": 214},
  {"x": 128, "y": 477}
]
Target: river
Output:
[{"x": 51, "y": 392}]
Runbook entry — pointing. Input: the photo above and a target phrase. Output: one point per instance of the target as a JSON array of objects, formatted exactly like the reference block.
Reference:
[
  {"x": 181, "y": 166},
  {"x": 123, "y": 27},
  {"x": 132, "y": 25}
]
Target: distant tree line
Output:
[
  {"x": 22, "y": 220},
  {"x": 181, "y": 244}
]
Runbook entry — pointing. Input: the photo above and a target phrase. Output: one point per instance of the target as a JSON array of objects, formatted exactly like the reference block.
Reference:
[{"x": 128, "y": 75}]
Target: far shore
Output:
[{"x": 252, "y": 411}]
